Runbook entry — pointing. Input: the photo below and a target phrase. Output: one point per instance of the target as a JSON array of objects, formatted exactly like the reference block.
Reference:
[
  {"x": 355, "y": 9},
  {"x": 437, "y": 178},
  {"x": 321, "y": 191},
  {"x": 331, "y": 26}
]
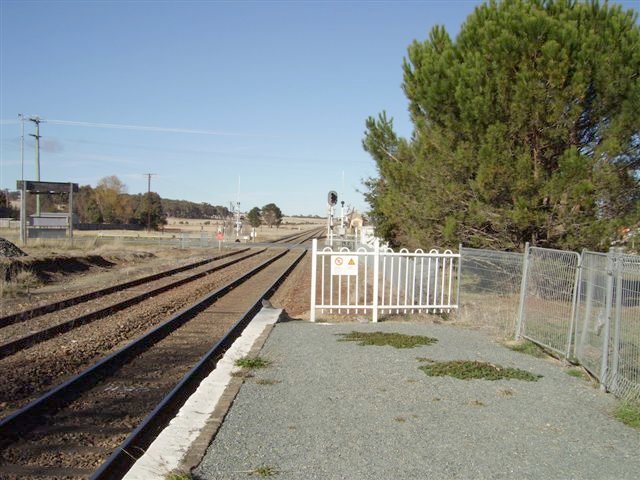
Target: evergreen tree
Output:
[
  {"x": 255, "y": 217},
  {"x": 526, "y": 128},
  {"x": 149, "y": 211},
  {"x": 272, "y": 215}
]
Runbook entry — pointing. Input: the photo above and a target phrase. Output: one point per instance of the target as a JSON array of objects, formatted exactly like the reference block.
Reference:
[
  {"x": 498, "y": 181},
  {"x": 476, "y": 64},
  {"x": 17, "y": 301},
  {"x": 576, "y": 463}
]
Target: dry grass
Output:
[
  {"x": 22, "y": 284},
  {"x": 494, "y": 314}
]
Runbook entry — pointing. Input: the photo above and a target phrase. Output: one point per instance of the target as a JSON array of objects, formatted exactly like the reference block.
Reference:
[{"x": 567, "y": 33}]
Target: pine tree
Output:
[
  {"x": 526, "y": 128},
  {"x": 255, "y": 217}
]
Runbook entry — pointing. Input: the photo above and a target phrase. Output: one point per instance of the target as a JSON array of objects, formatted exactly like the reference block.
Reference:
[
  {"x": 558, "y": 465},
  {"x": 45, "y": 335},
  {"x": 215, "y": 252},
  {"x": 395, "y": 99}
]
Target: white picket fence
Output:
[{"x": 381, "y": 281}]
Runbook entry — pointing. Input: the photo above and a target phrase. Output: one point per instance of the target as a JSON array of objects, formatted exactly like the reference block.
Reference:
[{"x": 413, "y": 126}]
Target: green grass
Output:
[
  {"x": 527, "y": 347},
  {"x": 264, "y": 471},
  {"x": 578, "y": 373},
  {"x": 397, "y": 340},
  {"x": 629, "y": 414},
  {"x": 474, "y": 370},
  {"x": 179, "y": 476},
  {"x": 252, "y": 362}
]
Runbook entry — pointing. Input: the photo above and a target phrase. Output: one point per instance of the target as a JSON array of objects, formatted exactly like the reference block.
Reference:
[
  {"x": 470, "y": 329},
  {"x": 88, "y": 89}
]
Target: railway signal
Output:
[{"x": 332, "y": 198}]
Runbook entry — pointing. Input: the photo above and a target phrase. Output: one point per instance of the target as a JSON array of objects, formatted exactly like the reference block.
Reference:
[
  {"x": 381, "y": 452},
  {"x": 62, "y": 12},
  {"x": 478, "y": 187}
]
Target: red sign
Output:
[{"x": 220, "y": 236}]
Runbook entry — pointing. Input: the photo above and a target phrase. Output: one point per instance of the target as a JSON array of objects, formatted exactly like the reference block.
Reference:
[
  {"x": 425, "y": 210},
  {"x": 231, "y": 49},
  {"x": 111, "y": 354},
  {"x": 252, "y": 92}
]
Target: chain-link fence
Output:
[
  {"x": 548, "y": 298},
  {"x": 584, "y": 307},
  {"x": 490, "y": 289},
  {"x": 608, "y": 321}
]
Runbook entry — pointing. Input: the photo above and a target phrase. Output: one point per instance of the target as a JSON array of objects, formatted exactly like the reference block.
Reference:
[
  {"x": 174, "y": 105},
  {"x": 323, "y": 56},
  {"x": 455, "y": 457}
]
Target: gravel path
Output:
[{"x": 335, "y": 410}]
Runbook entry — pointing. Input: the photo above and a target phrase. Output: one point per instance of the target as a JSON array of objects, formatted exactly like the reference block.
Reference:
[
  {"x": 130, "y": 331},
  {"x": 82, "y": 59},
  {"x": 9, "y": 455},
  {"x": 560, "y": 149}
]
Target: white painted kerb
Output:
[{"x": 167, "y": 451}]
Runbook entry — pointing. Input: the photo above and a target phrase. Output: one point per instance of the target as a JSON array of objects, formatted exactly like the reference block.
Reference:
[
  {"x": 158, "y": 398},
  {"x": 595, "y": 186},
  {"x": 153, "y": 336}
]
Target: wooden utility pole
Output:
[
  {"x": 149, "y": 175},
  {"x": 37, "y": 121}
]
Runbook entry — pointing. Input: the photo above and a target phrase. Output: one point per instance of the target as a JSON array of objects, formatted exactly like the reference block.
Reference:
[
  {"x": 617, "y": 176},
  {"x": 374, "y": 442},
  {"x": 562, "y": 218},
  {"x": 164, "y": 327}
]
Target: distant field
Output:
[{"x": 85, "y": 241}]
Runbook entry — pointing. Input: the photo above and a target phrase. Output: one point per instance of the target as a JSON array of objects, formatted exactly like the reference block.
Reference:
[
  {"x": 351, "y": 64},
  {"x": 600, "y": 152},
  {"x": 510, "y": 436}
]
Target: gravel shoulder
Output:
[{"x": 327, "y": 409}]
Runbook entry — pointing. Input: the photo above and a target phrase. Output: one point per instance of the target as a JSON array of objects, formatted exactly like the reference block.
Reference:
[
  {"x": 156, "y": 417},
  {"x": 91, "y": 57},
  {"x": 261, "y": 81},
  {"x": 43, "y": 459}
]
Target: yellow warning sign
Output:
[{"x": 344, "y": 265}]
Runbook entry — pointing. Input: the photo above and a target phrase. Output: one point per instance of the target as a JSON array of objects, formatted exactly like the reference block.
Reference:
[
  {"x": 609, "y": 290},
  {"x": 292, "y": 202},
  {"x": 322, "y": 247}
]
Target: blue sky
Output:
[{"x": 270, "y": 96}]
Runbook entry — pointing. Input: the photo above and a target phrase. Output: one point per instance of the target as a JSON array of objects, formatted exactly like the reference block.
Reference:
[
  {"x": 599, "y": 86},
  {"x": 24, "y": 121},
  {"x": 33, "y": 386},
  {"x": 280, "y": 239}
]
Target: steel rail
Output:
[
  {"x": 139, "y": 440},
  {"x": 29, "y": 340},
  {"x": 68, "y": 302},
  {"x": 24, "y": 419}
]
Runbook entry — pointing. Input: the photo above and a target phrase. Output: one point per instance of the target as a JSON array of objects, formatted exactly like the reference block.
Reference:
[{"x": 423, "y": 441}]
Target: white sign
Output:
[{"x": 344, "y": 265}]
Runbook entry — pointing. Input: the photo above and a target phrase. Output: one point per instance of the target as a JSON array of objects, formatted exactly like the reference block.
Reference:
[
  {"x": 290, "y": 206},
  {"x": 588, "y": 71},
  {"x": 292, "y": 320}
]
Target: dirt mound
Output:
[{"x": 8, "y": 249}]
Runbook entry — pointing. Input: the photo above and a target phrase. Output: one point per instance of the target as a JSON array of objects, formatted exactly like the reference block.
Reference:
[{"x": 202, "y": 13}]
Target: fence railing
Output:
[{"x": 382, "y": 281}]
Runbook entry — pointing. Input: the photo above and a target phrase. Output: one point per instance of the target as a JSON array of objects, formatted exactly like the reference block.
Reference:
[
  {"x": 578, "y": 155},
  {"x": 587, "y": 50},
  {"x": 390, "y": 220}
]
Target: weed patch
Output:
[
  {"x": 267, "y": 381},
  {"x": 397, "y": 340},
  {"x": 179, "y": 476},
  {"x": 252, "y": 362},
  {"x": 264, "y": 471},
  {"x": 629, "y": 414},
  {"x": 578, "y": 373},
  {"x": 527, "y": 347},
  {"x": 474, "y": 370}
]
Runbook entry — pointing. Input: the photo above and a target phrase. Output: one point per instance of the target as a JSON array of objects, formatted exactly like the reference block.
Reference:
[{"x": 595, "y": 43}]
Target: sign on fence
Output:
[{"x": 344, "y": 265}]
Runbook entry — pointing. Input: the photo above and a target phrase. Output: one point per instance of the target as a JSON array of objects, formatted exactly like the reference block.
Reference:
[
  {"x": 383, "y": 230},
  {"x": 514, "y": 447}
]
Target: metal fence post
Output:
[
  {"x": 459, "y": 275},
  {"x": 523, "y": 292},
  {"x": 604, "y": 368},
  {"x": 588, "y": 298},
  {"x": 376, "y": 270},
  {"x": 574, "y": 306},
  {"x": 617, "y": 271},
  {"x": 314, "y": 265}
]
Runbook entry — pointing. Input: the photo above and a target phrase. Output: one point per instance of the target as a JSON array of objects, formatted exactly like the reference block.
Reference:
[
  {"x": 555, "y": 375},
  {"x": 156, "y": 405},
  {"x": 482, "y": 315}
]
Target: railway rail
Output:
[
  {"x": 72, "y": 429},
  {"x": 150, "y": 286},
  {"x": 12, "y": 340}
]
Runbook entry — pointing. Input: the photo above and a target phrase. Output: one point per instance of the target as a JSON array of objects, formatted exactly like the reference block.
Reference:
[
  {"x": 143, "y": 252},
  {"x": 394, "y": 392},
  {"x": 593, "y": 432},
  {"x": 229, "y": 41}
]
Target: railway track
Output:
[
  {"x": 47, "y": 321},
  {"x": 72, "y": 429}
]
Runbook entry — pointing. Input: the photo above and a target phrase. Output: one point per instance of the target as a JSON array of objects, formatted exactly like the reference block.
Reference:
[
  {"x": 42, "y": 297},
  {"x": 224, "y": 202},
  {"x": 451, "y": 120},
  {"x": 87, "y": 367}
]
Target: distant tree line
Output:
[
  {"x": 109, "y": 203},
  {"x": 186, "y": 209}
]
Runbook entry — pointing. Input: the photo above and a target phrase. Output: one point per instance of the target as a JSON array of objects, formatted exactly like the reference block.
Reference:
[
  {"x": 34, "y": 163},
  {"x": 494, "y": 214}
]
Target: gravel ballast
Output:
[{"x": 329, "y": 409}]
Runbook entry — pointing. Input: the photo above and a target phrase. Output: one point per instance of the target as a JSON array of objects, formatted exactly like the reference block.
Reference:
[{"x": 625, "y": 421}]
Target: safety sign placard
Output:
[{"x": 344, "y": 265}]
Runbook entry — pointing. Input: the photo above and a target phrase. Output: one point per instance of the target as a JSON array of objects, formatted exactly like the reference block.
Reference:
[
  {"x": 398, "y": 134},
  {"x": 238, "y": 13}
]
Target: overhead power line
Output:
[{"x": 149, "y": 128}]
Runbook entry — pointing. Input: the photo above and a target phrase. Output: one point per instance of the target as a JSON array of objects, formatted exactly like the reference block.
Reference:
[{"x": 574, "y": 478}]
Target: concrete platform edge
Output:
[{"x": 183, "y": 443}]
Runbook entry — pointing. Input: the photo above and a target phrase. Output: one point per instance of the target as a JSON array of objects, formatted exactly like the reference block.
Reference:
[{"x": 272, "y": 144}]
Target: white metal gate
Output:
[{"x": 348, "y": 282}]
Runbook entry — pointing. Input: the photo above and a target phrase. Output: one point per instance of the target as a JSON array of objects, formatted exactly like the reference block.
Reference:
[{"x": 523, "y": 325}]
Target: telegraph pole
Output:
[
  {"x": 149, "y": 175},
  {"x": 21, "y": 117},
  {"x": 37, "y": 121},
  {"x": 23, "y": 193}
]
